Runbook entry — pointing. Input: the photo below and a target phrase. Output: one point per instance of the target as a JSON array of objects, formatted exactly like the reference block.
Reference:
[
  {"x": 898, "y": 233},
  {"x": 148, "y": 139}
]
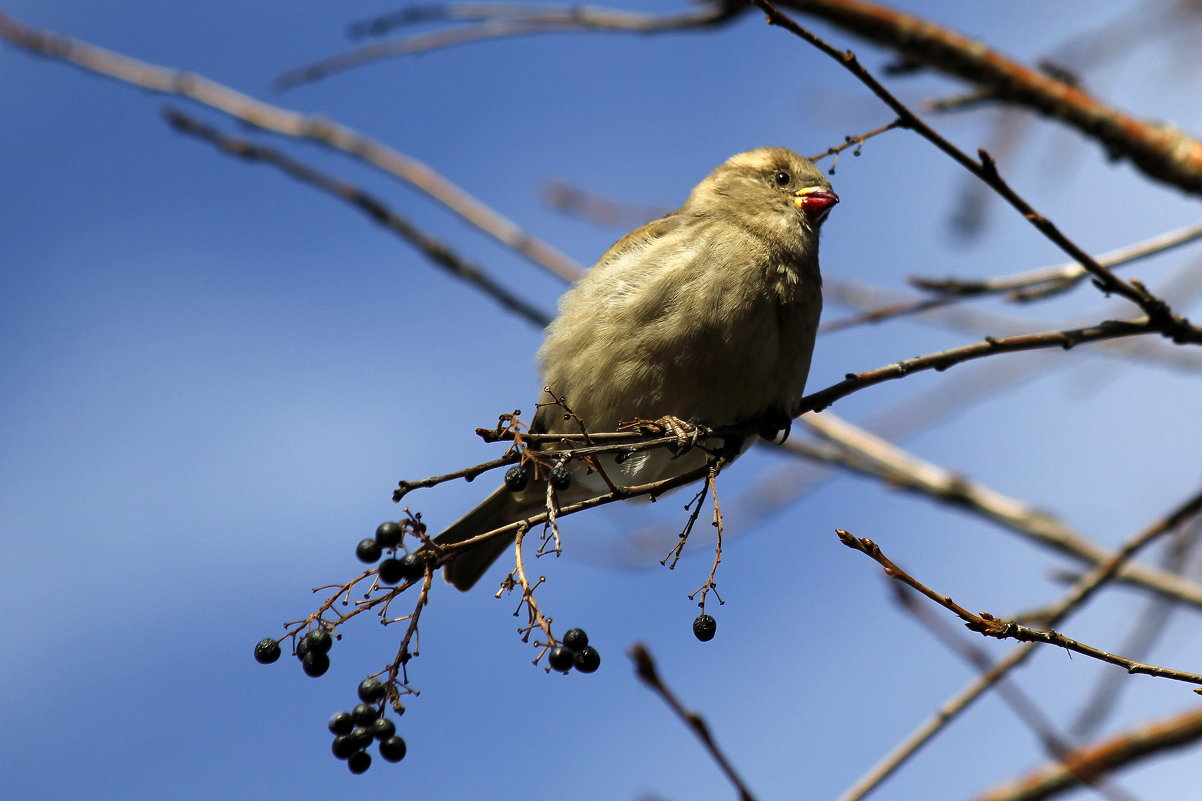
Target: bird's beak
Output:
[{"x": 815, "y": 200}]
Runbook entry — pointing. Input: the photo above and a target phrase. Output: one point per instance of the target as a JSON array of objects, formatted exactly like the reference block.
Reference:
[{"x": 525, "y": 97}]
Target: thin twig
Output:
[
  {"x": 682, "y": 539},
  {"x": 991, "y": 626},
  {"x": 644, "y": 668},
  {"x": 711, "y": 585},
  {"x": 467, "y": 473},
  {"x": 857, "y": 141},
  {"x": 941, "y": 360},
  {"x": 537, "y": 20},
  {"x": 534, "y": 615},
  {"x": 398, "y": 669}
]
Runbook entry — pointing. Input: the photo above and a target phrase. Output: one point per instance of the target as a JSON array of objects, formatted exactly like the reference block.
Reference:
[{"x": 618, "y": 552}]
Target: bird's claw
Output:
[{"x": 687, "y": 434}]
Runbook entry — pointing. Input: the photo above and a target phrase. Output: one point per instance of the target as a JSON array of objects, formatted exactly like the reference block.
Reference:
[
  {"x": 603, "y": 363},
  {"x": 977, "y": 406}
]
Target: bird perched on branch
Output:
[{"x": 707, "y": 315}]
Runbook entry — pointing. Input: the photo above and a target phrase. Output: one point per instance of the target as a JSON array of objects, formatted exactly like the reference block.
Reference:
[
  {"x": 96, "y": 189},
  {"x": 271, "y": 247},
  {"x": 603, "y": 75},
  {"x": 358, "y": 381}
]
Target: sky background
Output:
[{"x": 215, "y": 376}]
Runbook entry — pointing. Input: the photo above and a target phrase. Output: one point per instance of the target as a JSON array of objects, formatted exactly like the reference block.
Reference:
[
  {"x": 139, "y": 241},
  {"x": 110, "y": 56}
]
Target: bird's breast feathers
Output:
[{"x": 715, "y": 329}]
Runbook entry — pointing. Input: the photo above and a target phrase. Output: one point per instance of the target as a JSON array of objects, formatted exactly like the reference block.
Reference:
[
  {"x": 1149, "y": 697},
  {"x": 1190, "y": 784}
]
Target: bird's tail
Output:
[{"x": 499, "y": 509}]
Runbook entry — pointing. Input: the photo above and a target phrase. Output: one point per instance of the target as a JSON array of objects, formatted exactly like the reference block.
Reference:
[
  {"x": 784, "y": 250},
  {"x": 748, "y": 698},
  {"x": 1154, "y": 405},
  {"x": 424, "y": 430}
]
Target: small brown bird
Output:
[{"x": 707, "y": 315}]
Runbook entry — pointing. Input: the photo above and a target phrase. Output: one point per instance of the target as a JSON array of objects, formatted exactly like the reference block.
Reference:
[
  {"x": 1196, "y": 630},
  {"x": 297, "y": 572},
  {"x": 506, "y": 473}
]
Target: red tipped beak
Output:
[{"x": 815, "y": 202}]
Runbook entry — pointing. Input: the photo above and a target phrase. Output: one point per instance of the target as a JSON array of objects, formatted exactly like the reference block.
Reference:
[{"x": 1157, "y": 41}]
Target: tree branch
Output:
[
  {"x": 1161, "y": 151},
  {"x": 437, "y": 251},
  {"x": 1170, "y": 325},
  {"x": 297, "y": 126}
]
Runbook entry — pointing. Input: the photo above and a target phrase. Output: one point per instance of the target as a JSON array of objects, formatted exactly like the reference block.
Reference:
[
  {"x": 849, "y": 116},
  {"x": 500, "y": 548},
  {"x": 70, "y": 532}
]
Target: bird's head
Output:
[{"x": 771, "y": 188}]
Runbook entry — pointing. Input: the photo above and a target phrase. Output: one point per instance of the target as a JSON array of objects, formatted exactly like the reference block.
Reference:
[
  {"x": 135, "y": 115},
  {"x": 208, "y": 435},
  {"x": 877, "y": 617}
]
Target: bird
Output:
[{"x": 707, "y": 315}]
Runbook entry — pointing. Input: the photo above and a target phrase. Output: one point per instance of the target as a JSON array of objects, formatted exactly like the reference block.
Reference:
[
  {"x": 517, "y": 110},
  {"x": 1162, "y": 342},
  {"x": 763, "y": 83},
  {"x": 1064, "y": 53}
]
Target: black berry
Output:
[
  {"x": 516, "y": 478},
  {"x": 388, "y": 534},
  {"x": 560, "y": 478},
  {"x": 368, "y": 551},
  {"x": 413, "y": 566},
  {"x": 382, "y": 729},
  {"x": 359, "y": 762},
  {"x": 341, "y": 723},
  {"x": 365, "y": 714},
  {"x": 575, "y": 639},
  {"x": 343, "y": 746},
  {"x": 588, "y": 659},
  {"x": 361, "y": 737},
  {"x": 318, "y": 641},
  {"x": 561, "y": 658},
  {"x": 705, "y": 627},
  {"x": 393, "y": 749},
  {"x": 371, "y": 690},
  {"x": 391, "y": 571},
  {"x": 267, "y": 651},
  {"x": 315, "y": 664}
]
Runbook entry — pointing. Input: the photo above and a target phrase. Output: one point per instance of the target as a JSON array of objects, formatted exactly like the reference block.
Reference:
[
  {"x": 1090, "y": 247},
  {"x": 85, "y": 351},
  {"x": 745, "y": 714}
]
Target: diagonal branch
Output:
[
  {"x": 292, "y": 124},
  {"x": 1161, "y": 151},
  {"x": 872, "y": 455},
  {"x": 991, "y": 626},
  {"x": 1170, "y": 325},
  {"x": 1106, "y": 756},
  {"x": 437, "y": 251},
  {"x": 644, "y": 667}
]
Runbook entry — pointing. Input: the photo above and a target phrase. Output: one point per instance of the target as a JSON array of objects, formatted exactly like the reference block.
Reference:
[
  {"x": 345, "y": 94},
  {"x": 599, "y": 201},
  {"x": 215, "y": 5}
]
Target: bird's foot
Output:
[{"x": 687, "y": 434}]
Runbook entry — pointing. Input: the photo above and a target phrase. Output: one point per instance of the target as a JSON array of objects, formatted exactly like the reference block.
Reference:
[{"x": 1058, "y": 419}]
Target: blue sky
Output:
[{"x": 215, "y": 376}]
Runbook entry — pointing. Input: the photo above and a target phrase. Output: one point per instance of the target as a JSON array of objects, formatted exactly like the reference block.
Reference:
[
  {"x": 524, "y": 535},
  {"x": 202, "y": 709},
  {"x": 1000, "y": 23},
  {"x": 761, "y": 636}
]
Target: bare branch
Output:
[
  {"x": 1170, "y": 325},
  {"x": 991, "y": 626},
  {"x": 856, "y": 141},
  {"x": 644, "y": 668},
  {"x": 879, "y": 304},
  {"x": 1108, "y": 329},
  {"x": 298, "y": 126},
  {"x": 1023, "y": 705},
  {"x": 875, "y": 456},
  {"x": 1106, "y": 756},
  {"x": 507, "y": 21},
  {"x": 1045, "y": 281},
  {"x": 437, "y": 251},
  {"x": 1162, "y": 151},
  {"x": 1023, "y": 286}
]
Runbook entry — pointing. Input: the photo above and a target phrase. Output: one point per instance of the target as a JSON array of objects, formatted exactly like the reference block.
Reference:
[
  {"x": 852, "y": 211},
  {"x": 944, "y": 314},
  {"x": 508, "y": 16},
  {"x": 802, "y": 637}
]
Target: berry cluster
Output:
[
  {"x": 393, "y": 570},
  {"x": 574, "y": 652},
  {"x": 313, "y": 651},
  {"x": 355, "y": 731}
]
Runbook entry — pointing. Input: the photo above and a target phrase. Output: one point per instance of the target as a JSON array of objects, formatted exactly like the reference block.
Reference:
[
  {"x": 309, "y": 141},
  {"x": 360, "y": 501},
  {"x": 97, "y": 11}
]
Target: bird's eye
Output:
[{"x": 782, "y": 178}]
